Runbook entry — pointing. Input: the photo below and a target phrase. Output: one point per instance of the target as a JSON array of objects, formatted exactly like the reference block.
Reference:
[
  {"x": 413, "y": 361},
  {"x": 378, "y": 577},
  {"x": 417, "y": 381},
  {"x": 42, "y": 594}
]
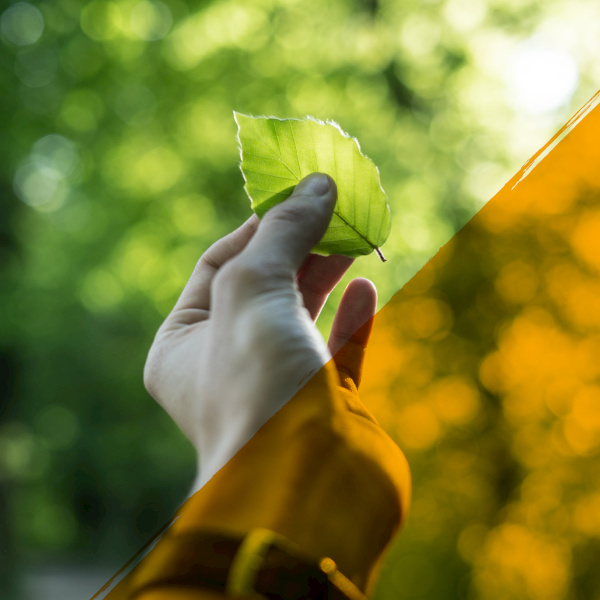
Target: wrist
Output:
[{"x": 307, "y": 478}]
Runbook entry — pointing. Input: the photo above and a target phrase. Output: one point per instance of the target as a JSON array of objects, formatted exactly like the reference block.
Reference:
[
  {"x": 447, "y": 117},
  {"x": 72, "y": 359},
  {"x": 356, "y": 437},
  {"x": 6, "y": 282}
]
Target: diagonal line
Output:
[
  {"x": 278, "y": 158},
  {"x": 252, "y": 139},
  {"x": 123, "y": 570},
  {"x": 355, "y": 230},
  {"x": 565, "y": 130},
  {"x": 346, "y": 240}
]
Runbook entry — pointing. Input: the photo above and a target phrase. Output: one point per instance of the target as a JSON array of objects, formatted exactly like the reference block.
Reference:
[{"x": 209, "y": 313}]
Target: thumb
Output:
[{"x": 288, "y": 231}]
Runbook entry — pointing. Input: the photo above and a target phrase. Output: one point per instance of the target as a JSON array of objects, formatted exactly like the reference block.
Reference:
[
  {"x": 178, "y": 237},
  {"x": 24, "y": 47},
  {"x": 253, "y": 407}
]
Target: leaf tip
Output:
[{"x": 238, "y": 117}]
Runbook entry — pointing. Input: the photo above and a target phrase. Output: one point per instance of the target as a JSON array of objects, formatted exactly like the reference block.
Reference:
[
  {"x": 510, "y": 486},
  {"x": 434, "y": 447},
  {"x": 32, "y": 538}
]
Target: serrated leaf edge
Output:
[{"x": 320, "y": 122}]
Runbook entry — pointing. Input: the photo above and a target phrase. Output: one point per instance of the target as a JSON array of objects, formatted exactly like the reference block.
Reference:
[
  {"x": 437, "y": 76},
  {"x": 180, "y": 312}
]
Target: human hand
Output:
[{"x": 241, "y": 339}]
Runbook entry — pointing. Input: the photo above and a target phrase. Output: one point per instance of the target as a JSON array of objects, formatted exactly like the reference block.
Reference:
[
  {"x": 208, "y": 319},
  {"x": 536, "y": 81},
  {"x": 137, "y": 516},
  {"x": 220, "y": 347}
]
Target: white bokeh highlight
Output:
[
  {"x": 42, "y": 177},
  {"x": 543, "y": 78},
  {"x": 22, "y": 24}
]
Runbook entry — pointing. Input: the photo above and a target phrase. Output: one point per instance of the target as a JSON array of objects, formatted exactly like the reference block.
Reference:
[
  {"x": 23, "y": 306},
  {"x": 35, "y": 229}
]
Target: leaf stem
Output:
[{"x": 380, "y": 254}]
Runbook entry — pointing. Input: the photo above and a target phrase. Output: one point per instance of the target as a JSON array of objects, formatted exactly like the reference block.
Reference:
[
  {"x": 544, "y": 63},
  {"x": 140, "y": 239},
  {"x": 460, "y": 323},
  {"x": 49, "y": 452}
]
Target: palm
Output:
[{"x": 199, "y": 356}]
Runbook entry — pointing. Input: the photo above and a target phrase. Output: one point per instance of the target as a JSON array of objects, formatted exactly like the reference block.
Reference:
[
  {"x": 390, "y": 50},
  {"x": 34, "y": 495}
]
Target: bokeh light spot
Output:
[
  {"x": 81, "y": 110},
  {"x": 32, "y": 187},
  {"x": 585, "y": 239},
  {"x": 485, "y": 180},
  {"x": 415, "y": 231},
  {"x": 414, "y": 575},
  {"x": 57, "y": 425},
  {"x": 543, "y": 77},
  {"x": 36, "y": 66},
  {"x": 22, "y": 24},
  {"x": 456, "y": 400},
  {"x": 81, "y": 58},
  {"x": 418, "y": 427},
  {"x": 101, "y": 20},
  {"x": 420, "y": 35},
  {"x": 150, "y": 20},
  {"x": 158, "y": 170},
  {"x": 517, "y": 282},
  {"x": 101, "y": 291},
  {"x": 55, "y": 153},
  {"x": 21, "y": 454},
  {"x": 425, "y": 317},
  {"x": 471, "y": 540},
  {"x": 35, "y": 186},
  {"x": 193, "y": 215},
  {"x": 465, "y": 15},
  {"x": 135, "y": 103},
  {"x": 53, "y": 525}
]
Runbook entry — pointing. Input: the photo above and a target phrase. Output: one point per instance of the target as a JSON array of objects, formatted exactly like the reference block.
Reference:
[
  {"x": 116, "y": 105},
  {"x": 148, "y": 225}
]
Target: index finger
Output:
[{"x": 196, "y": 293}]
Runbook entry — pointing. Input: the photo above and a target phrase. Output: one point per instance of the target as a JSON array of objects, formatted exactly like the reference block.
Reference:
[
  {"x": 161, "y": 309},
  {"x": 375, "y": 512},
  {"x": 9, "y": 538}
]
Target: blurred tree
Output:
[{"x": 118, "y": 167}]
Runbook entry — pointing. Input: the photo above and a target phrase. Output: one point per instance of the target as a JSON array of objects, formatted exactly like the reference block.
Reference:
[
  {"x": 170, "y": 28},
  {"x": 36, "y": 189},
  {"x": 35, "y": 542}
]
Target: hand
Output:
[{"x": 241, "y": 339}]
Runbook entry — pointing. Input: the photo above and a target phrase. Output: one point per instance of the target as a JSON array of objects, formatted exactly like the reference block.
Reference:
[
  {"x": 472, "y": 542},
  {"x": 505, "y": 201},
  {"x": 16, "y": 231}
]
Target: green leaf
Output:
[{"x": 277, "y": 153}]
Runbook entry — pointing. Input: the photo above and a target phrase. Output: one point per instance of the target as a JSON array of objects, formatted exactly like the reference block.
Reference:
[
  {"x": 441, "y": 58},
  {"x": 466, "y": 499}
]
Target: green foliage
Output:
[{"x": 278, "y": 153}]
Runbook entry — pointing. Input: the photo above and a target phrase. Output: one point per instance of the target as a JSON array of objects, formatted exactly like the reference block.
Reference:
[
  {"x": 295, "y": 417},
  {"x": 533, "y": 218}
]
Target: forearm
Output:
[
  {"x": 315, "y": 490},
  {"x": 319, "y": 494}
]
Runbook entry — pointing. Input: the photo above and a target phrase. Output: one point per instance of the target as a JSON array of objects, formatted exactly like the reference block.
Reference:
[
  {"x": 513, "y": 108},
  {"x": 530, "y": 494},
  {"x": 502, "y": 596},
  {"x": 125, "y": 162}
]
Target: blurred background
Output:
[{"x": 119, "y": 167}]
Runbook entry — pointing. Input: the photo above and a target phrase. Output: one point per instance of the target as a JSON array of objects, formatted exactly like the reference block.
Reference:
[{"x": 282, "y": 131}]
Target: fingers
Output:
[
  {"x": 317, "y": 278},
  {"x": 196, "y": 293},
  {"x": 291, "y": 229},
  {"x": 352, "y": 327},
  {"x": 358, "y": 305}
]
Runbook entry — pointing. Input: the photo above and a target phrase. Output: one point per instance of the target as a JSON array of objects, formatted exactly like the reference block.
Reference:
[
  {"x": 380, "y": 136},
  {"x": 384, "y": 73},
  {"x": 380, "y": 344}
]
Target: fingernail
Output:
[{"x": 316, "y": 184}]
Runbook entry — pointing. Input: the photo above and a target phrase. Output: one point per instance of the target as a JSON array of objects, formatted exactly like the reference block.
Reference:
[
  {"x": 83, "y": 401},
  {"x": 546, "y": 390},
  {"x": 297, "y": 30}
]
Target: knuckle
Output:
[
  {"x": 287, "y": 213},
  {"x": 341, "y": 334},
  {"x": 242, "y": 274},
  {"x": 228, "y": 274},
  {"x": 207, "y": 259}
]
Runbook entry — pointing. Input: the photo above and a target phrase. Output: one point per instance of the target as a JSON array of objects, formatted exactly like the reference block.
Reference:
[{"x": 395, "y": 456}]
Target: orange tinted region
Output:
[{"x": 485, "y": 368}]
